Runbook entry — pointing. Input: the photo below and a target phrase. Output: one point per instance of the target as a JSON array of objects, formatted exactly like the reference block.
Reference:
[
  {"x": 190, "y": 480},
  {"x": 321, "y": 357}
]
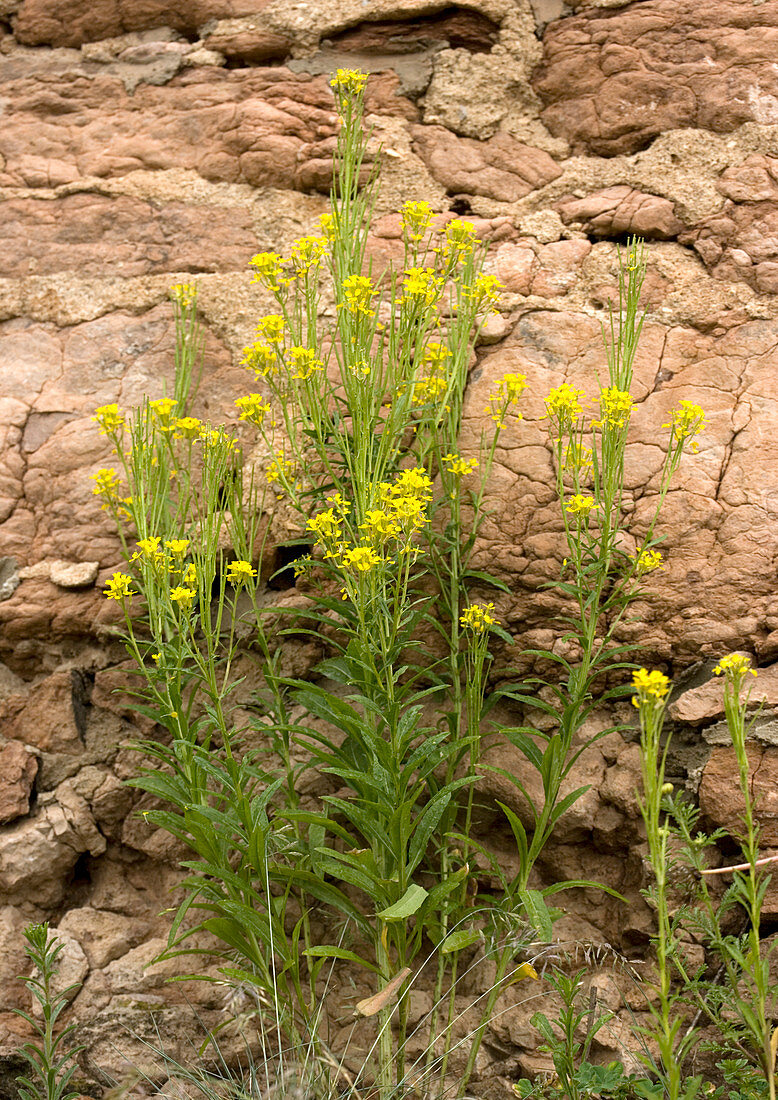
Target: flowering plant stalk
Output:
[{"x": 359, "y": 421}]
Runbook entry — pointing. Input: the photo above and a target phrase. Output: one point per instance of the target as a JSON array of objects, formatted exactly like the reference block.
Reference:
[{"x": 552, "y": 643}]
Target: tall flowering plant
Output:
[{"x": 360, "y": 418}]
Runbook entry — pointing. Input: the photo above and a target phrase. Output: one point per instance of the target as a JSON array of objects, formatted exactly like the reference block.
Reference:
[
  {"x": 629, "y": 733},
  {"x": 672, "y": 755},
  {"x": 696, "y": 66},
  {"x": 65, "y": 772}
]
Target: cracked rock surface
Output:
[{"x": 144, "y": 142}]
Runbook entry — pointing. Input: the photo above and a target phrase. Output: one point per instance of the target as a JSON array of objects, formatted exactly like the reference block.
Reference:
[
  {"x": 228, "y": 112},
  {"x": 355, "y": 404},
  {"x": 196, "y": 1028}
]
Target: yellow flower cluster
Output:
[
  {"x": 261, "y": 359},
  {"x": 736, "y": 665},
  {"x": 184, "y": 294},
  {"x": 647, "y": 561},
  {"x": 240, "y": 572},
  {"x": 577, "y": 458},
  {"x": 563, "y": 405},
  {"x": 107, "y": 486},
  {"x": 580, "y": 505},
  {"x": 358, "y": 293},
  {"x": 304, "y": 362},
  {"x": 432, "y": 385},
  {"x": 188, "y": 427},
  {"x": 119, "y": 587},
  {"x": 401, "y": 513},
  {"x": 360, "y": 559},
  {"x": 253, "y": 408},
  {"x": 459, "y": 240},
  {"x": 109, "y": 418},
  {"x": 183, "y": 597},
  {"x": 649, "y": 686},
  {"x": 280, "y": 470},
  {"x": 459, "y": 467},
  {"x": 267, "y": 269},
  {"x": 615, "y": 409},
  {"x": 217, "y": 438},
  {"x": 478, "y": 618},
  {"x": 509, "y": 389},
  {"x": 416, "y": 220},
  {"x": 162, "y": 410},
  {"x": 307, "y": 252},
  {"x": 421, "y": 288},
  {"x": 485, "y": 293},
  {"x": 686, "y": 422},
  {"x": 348, "y": 82},
  {"x": 271, "y": 328},
  {"x": 327, "y": 226}
]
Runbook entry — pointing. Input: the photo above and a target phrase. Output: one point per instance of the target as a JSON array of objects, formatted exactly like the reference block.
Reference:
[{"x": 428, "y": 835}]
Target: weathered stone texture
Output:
[
  {"x": 149, "y": 141},
  {"x": 613, "y": 80}
]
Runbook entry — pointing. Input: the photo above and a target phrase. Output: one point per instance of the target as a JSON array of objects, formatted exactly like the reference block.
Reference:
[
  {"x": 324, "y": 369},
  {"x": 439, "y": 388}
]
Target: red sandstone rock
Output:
[
  {"x": 18, "y": 768},
  {"x": 266, "y": 127},
  {"x": 613, "y": 80},
  {"x": 722, "y": 802},
  {"x": 73, "y": 22},
  {"x": 619, "y": 211},
  {"x": 500, "y": 168},
  {"x": 92, "y": 234}
]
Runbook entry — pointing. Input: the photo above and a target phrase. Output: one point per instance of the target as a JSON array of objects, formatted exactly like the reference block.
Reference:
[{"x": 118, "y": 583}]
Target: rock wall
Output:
[{"x": 148, "y": 141}]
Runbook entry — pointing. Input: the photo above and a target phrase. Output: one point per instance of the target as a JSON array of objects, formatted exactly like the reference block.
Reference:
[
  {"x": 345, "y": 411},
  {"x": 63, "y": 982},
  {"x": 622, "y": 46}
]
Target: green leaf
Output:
[
  {"x": 339, "y": 953},
  {"x": 537, "y": 913},
  {"x": 411, "y": 901},
  {"x": 459, "y": 940},
  {"x": 486, "y": 578}
]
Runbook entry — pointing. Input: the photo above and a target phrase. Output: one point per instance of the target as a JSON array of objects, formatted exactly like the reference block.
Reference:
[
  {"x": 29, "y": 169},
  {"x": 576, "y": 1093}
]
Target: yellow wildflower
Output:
[
  {"x": 580, "y": 505},
  {"x": 190, "y": 576},
  {"x": 615, "y": 409},
  {"x": 327, "y": 226},
  {"x": 253, "y": 408},
  {"x": 422, "y": 287},
  {"x": 485, "y": 292},
  {"x": 162, "y": 409},
  {"x": 358, "y": 292},
  {"x": 737, "y": 665},
  {"x": 460, "y": 239},
  {"x": 437, "y": 354},
  {"x": 304, "y": 362},
  {"x": 109, "y": 418},
  {"x": 577, "y": 458},
  {"x": 217, "y": 437},
  {"x": 380, "y": 525},
  {"x": 184, "y": 294},
  {"x": 149, "y": 548},
  {"x": 240, "y": 572},
  {"x": 280, "y": 469},
  {"x": 106, "y": 485},
  {"x": 271, "y": 328},
  {"x": 182, "y": 596},
  {"x": 361, "y": 558},
  {"x": 260, "y": 358},
  {"x": 459, "y": 467},
  {"x": 416, "y": 220},
  {"x": 188, "y": 427},
  {"x": 325, "y": 525},
  {"x": 649, "y": 686},
  {"x": 360, "y": 369},
  {"x": 429, "y": 389},
  {"x": 478, "y": 618},
  {"x": 119, "y": 587},
  {"x": 647, "y": 561},
  {"x": 509, "y": 389},
  {"x": 413, "y": 482},
  {"x": 348, "y": 82},
  {"x": 686, "y": 422},
  {"x": 563, "y": 405},
  {"x": 307, "y": 252},
  {"x": 267, "y": 269},
  {"x": 177, "y": 547}
]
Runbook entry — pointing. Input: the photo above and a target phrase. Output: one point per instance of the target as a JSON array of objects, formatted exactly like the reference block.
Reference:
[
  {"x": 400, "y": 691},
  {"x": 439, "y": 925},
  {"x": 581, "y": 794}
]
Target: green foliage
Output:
[
  {"x": 359, "y": 417},
  {"x": 52, "y": 1061}
]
